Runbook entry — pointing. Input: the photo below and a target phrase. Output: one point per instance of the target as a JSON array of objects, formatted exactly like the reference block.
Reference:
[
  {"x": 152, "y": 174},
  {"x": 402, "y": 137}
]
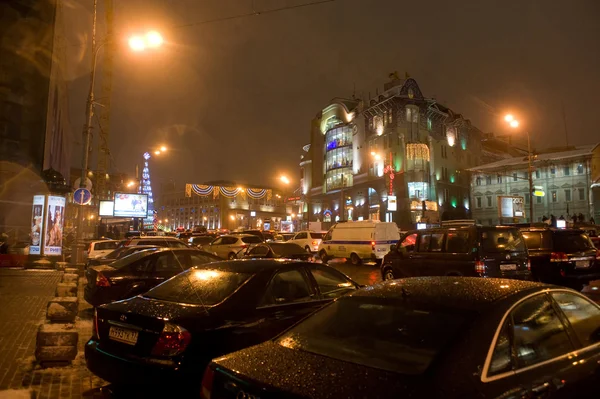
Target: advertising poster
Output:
[
  {"x": 55, "y": 217},
  {"x": 131, "y": 205},
  {"x": 106, "y": 208},
  {"x": 37, "y": 223}
]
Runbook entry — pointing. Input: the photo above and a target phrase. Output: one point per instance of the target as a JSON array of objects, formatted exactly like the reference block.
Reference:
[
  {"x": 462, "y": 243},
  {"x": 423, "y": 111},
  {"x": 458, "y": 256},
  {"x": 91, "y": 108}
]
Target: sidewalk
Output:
[{"x": 24, "y": 295}]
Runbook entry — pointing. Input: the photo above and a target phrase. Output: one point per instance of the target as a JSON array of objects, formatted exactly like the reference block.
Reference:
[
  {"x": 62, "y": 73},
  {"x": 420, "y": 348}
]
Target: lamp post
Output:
[
  {"x": 137, "y": 43},
  {"x": 510, "y": 119}
]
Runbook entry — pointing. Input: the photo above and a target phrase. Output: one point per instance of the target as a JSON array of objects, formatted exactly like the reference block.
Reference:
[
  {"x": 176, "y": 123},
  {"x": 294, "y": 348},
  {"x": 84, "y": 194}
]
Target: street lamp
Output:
[
  {"x": 152, "y": 41},
  {"x": 284, "y": 180},
  {"x": 514, "y": 123}
]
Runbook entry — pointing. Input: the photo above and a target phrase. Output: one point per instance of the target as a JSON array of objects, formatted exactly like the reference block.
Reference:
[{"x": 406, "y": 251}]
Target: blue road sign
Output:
[{"x": 82, "y": 196}]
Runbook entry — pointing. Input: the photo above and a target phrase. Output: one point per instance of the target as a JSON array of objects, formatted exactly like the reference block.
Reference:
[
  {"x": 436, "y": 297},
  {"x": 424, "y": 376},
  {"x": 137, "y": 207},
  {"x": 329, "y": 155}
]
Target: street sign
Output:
[
  {"x": 82, "y": 196},
  {"x": 538, "y": 191}
]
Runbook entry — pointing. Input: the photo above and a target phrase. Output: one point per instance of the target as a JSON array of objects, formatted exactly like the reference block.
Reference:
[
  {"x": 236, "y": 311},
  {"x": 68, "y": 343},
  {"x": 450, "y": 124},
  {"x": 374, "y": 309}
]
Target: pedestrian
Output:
[
  {"x": 552, "y": 220},
  {"x": 592, "y": 221},
  {"x": 581, "y": 218}
]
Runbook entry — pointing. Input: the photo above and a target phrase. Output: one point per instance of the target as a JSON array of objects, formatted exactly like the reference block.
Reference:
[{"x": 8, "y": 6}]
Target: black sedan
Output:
[
  {"x": 168, "y": 335},
  {"x": 427, "y": 337},
  {"x": 138, "y": 272},
  {"x": 276, "y": 250},
  {"x": 118, "y": 253}
]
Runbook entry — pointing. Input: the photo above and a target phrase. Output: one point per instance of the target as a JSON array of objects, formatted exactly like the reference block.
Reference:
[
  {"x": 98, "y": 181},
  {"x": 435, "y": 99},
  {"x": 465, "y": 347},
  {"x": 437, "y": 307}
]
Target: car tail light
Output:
[
  {"x": 598, "y": 254},
  {"x": 207, "y": 383},
  {"x": 373, "y": 245},
  {"x": 314, "y": 243},
  {"x": 101, "y": 280},
  {"x": 244, "y": 246},
  {"x": 172, "y": 341},
  {"x": 529, "y": 264},
  {"x": 480, "y": 267},
  {"x": 559, "y": 257}
]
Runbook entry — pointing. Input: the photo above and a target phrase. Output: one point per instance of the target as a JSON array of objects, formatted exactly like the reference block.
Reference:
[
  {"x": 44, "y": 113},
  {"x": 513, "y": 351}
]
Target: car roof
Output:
[
  {"x": 256, "y": 265},
  {"x": 472, "y": 293},
  {"x": 553, "y": 229},
  {"x": 107, "y": 240},
  {"x": 156, "y": 238}
]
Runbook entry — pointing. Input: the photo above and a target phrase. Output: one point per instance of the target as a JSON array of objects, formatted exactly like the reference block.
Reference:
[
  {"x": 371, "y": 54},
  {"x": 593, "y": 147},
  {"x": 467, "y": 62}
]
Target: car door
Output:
[
  {"x": 288, "y": 297},
  {"x": 300, "y": 239},
  {"x": 260, "y": 251},
  {"x": 541, "y": 346},
  {"x": 330, "y": 283},
  {"x": 169, "y": 264},
  {"x": 458, "y": 255},
  {"x": 134, "y": 278},
  {"x": 435, "y": 261},
  {"x": 216, "y": 245}
]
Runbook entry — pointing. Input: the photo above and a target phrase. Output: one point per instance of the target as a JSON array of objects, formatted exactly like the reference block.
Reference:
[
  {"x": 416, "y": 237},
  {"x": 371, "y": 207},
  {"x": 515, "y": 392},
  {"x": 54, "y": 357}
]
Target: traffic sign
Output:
[{"x": 82, "y": 196}]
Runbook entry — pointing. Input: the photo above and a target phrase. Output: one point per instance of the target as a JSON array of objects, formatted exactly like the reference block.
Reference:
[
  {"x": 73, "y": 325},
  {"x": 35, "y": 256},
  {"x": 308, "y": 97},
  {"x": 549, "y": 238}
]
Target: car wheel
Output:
[
  {"x": 307, "y": 248},
  {"x": 323, "y": 256},
  {"x": 354, "y": 259},
  {"x": 388, "y": 274},
  {"x": 231, "y": 256}
]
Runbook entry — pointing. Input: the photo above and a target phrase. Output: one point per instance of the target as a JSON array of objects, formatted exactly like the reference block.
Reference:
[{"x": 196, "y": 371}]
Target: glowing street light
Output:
[
  {"x": 514, "y": 123},
  {"x": 137, "y": 43},
  {"x": 151, "y": 39},
  {"x": 131, "y": 184},
  {"x": 284, "y": 180},
  {"x": 157, "y": 152},
  {"x": 163, "y": 148},
  {"x": 509, "y": 118},
  {"x": 154, "y": 39}
]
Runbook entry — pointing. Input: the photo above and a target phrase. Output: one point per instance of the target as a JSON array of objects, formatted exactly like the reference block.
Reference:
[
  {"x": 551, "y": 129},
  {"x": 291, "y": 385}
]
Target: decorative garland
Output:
[
  {"x": 417, "y": 151},
  {"x": 229, "y": 192},
  {"x": 256, "y": 193}
]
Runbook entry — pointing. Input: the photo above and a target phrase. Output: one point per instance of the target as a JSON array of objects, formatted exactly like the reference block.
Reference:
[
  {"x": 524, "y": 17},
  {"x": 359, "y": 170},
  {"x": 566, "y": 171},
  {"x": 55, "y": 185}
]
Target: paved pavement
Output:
[
  {"x": 24, "y": 295},
  {"x": 366, "y": 274}
]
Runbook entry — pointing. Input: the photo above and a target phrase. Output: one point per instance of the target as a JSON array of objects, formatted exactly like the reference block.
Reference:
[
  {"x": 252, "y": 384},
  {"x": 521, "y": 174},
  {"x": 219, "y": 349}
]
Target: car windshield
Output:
[
  {"x": 252, "y": 240},
  {"x": 119, "y": 252},
  {"x": 199, "y": 286},
  {"x": 287, "y": 249},
  {"x": 572, "y": 242},
  {"x": 103, "y": 246},
  {"x": 377, "y": 332},
  {"x": 316, "y": 236},
  {"x": 126, "y": 260},
  {"x": 502, "y": 240}
]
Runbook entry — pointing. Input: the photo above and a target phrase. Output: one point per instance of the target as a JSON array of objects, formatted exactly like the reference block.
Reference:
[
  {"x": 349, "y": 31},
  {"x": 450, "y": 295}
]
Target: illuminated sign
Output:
[
  {"x": 392, "y": 203},
  {"x": 37, "y": 224},
  {"x": 55, "y": 217},
  {"x": 131, "y": 205},
  {"x": 511, "y": 207},
  {"x": 106, "y": 208}
]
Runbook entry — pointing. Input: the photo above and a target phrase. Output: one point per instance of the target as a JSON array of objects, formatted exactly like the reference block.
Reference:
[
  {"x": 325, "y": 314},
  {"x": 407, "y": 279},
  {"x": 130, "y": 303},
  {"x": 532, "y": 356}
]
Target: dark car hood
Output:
[
  {"x": 274, "y": 368},
  {"x": 148, "y": 307}
]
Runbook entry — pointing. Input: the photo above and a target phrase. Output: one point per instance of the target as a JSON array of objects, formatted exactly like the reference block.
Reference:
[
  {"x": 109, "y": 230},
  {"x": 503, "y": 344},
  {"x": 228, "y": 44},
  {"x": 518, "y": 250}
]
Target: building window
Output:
[
  {"x": 390, "y": 117},
  {"x": 515, "y": 178},
  {"x": 537, "y": 174},
  {"x": 446, "y": 196},
  {"x": 567, "y": 171},
  {"x": 408, "y": 114},
  {"x": 478, "y": 181},
  {"x": 554, "y": 196},
  {"x": 385, "y": 114},
  {"x": 527, "y": 198},
  {"x": 553, "y": 171},
  {"x": 489, "y": 201},
  {"x": 478, "y": 202},
  {"x": 488, "y": 180},
  {"x": 538, "y": 200},
  {"x": 429, "y": 124},
  {"x": 580, "y": 169},
  {"x": 581, "y": 192},
  {"x": 499, "y": 178},
  {"x": 568, "y": 195}
]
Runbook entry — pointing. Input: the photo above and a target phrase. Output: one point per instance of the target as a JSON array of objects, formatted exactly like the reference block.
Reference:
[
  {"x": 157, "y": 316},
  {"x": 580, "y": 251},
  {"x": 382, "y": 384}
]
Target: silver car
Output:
[{"x": 227, "y": 247}]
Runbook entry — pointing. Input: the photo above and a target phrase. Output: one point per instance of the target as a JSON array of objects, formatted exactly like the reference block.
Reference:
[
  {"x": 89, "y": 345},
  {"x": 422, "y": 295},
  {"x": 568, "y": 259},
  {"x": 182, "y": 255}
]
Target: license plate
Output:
[
  {"x": 582, "y": 263},
  {"x": 123, "y": 335},
  {"x": 511, "y": 266}
]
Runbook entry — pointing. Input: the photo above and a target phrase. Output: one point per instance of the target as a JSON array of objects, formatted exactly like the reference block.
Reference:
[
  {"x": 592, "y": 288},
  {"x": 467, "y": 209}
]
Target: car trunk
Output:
[
  {"x": 574, "y": 252},
  {"x": 504, "y": 254},
  {"x": 137, "y": 323},
  {"x": 93, "y": 272}
]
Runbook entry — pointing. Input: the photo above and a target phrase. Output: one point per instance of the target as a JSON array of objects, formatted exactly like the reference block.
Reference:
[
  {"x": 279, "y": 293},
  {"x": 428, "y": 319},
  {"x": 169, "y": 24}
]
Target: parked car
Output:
[
  {"x": 138, "y": 272},
  {"x": 117, "y": 254},
  {"x": 97, "y": 249},
  {"x": 169, "y": 334},
  {"x": 358, "y": 241},
  {"x": 433, "y": 337},
  {"x": 276, "y": 250},
  {"x": 287, "y": 236},
  {"x": 200, "y": 241},
  {"x": 309, "y": 240},
  {"x": 227, "y": 247},
  {"x": 473, "y": 251},
  {"x": 257, "y": 233},
  {"x": 164, "y": 241},
  {"x": 562, "y": 256}
]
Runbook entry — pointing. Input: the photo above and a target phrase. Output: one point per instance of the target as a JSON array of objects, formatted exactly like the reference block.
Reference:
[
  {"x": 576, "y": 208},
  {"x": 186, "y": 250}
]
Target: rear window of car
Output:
[
  {"x": 316, "y": 235},
  {"x": 252, "y": 240},
  {"x": 103, "y": 246},
  {"x": 199, "y": 286},
  {"x": 502, "y": 240},
  {"x": 126, "y": 260},
  {"x": 538, "y": 239},
  {"x": 377, "y": 332},
  {"x": 571, "y": 242}
]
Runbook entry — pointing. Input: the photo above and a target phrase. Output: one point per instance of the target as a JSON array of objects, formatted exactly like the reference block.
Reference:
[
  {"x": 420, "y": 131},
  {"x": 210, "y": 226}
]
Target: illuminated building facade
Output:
[{"x": 399, "y": 157}]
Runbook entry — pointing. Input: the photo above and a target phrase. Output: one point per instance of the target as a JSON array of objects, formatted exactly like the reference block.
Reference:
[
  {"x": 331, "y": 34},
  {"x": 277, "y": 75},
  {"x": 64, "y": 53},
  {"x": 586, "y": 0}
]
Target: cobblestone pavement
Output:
[{"x": 24, "y": 295}]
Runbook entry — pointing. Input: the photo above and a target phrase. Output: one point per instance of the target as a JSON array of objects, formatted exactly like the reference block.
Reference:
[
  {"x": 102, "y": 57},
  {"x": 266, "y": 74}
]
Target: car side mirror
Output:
[{"x": 393, "y": 248}]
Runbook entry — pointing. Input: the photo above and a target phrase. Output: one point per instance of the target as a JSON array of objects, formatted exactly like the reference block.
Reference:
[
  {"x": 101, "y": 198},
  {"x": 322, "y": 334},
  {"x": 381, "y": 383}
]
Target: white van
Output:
[{"x": 358, "y": 241}]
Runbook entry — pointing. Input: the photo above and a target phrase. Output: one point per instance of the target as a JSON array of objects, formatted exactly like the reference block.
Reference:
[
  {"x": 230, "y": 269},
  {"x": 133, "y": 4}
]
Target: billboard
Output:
[
  {"x": 37, "y": 224},
  {"x": 106, "y": 208},
  {"x": 392, "y": 203},
  {"x": 511, "y": 207},
  {"x": 53, "y": 233},
  {"x": 131, "y": 205}
]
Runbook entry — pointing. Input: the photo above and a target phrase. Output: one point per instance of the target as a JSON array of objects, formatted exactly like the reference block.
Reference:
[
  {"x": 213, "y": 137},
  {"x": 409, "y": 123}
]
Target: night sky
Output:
[{"x": 234, "y": 99}]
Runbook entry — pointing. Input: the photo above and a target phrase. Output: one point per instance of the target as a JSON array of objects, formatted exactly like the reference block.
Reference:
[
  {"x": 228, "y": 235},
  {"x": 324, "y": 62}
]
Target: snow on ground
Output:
[{"x": 16, "y": 394}]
